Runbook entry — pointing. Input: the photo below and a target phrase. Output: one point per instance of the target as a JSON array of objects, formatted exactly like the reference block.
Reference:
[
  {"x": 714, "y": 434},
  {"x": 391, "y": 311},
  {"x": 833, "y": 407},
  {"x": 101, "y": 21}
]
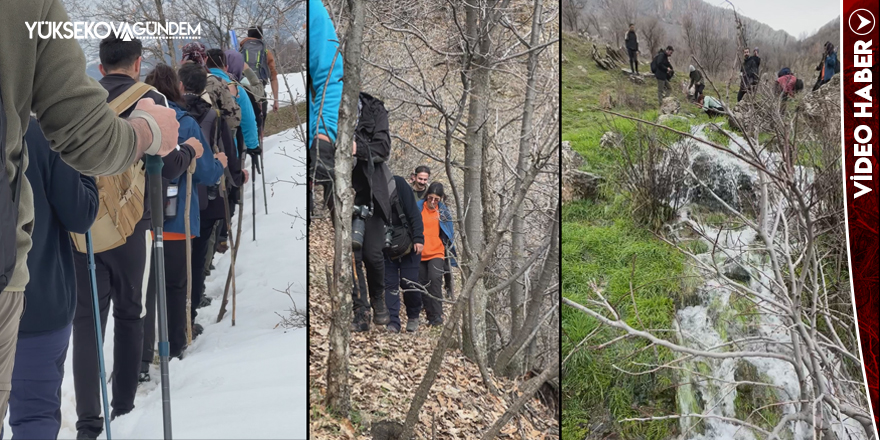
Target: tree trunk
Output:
[
  {"x": 528, "y": 390},
  {"x": 169, "y": 46},
  {"x": 338, "y": 390},
  {"x": 517, "y": 289},
  {"x": 474, "y": 334},
  {"x": 507, "y": 356}
]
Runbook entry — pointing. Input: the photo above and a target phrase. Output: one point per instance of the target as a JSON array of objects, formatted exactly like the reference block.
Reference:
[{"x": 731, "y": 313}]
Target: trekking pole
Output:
[
  {"x": 154, "y": 171},
  {"x": 254, "y": 194},
  {"x": 99, "y": 338},
  {"x": 187, "y": 229},
  {"x": 263, "y": 175}
]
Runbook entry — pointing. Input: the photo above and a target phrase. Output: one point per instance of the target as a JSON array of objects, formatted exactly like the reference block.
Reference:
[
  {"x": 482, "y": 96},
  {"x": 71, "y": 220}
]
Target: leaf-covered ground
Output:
[{"x": 386, "y": 369}]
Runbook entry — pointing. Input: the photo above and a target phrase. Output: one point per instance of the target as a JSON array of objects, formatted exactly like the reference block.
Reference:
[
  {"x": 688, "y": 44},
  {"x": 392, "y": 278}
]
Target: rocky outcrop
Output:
[
  {"x": 730, "y": 183},
  {"x": 577, "y": 184},
  {"x": 670, "y": 106}
]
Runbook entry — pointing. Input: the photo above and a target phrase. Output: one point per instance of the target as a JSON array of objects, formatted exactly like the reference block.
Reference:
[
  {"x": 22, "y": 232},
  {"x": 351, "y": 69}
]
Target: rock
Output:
[
  {"x": 582, "y": 69},
  {"x": 730, "y": 183},
  {"x": 666, "y": 118},
  {"x": 605, "y": 62},
  {"x": 636, "y": 79},
  {"x": 608, "y": 100},
  {"x": 824, "y": 102},
  {"x": 571, "y": 160},
  {"x": 610, "y": 140},
  {"x": 386, "y": 430},
  {"x": 580, "y": 185},
  {"x": 735, "y": 271},
  {"x": 670, "y": 106},
  {"x": 564, "y": 59}
]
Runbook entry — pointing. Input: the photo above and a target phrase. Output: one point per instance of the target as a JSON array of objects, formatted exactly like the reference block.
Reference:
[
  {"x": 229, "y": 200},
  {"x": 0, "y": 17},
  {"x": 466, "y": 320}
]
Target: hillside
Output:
[{"x": 674, "y": 325}]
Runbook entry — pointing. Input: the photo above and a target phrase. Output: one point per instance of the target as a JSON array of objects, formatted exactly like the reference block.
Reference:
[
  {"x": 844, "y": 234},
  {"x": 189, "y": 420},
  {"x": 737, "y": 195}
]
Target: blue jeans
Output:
[
  {"x": 35, "y": 401},
  {"x": 402, "y": 274}
]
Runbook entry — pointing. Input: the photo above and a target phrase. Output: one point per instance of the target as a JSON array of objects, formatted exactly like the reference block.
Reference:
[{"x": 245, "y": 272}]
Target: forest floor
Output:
[{"x": 386, "y": 368}]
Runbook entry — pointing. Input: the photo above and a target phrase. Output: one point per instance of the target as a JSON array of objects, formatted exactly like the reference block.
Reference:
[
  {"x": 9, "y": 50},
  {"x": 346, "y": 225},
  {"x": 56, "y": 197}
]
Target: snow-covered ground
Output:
[
  {"x": 247, "y": 381},
  {"x": 296, "y": 81}
]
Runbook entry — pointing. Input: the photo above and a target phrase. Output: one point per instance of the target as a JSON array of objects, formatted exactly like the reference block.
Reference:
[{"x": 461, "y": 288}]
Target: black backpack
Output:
[
  {"x": 654, "y": 63},
  {"x": 255, "y": 55},
  {"x": 8, "y": 207},
  {"x": 401, "y": 235}
]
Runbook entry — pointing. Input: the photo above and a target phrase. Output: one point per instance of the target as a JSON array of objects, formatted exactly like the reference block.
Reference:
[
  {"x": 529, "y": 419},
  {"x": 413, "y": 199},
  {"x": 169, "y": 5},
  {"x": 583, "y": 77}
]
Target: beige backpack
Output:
[{"x": 121, "y": 196}]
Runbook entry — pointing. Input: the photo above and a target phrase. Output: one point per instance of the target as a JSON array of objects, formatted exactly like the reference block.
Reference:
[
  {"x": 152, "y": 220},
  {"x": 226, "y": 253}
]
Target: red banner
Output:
[{"x": 858, "y": 57}]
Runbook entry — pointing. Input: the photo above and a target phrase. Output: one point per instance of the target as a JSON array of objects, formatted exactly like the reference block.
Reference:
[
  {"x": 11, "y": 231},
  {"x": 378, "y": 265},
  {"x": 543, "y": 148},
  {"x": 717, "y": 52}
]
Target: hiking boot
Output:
[
  {"x": 197, "y": 330},
  {"x": 392, "y": 328},
  {"x": 116, "y": 413},
  {"x": 380, "y": 312},
  {"x": 435, "y": 322},
  {"x": 205, "y": 302},
  {"x": 412, "y": 325},
  {"x": 222, "y": 247},
  {"x": 86, "y": 435},
  {"x": 360, "y": 323},
  {"x": 145, "y": 373}
]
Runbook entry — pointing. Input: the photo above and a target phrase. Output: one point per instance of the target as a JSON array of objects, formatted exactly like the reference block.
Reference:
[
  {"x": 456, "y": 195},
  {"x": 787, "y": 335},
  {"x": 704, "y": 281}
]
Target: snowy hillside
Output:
[
  {"x": 296, "y": 82},
  {"x": 247, "y": 381}
]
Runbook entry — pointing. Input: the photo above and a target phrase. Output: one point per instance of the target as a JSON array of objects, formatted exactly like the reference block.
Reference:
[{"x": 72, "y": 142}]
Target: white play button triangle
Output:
[{"x": 864, "y": 21}]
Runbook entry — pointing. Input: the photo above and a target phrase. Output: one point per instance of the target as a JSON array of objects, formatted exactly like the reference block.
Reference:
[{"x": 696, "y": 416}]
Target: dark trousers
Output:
[
  {"x": 698, "y": 90},
  {"x": 175, "y": 294},
  {"x": 403, "y": 274},
  {"x": 663, "y": 89},
  {"x": 431, "y": 277},
  {"x": 739, "y": 96},
  {"x": 200, "y": 247},
  {"x": 633, "y": 60},
  {"x": 371, "y": 259},
  {"x": 120, "y": 275},
  {"x": 35, "y": 401}
]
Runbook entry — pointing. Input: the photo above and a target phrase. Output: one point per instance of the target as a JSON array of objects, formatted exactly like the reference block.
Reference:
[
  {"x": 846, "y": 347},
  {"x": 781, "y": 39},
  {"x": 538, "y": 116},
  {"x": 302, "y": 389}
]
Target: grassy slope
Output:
[{"x": 600, "y": 244}]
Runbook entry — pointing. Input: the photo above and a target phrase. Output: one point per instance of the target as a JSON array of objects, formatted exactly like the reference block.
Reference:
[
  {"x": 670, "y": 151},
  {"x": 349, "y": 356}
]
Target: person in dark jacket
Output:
[
  {"x": 696, "y": 82},
  {"x": 632, "y": 48},
  {"x": 371, "y": 149},
  {"x": 419, "y": 180},
  {"x": 749, "y": 73},
  {"x": 401, "y": 274},
  {"x": 439, "y": 239},
  {"x": 663, "y": 72},
  {"x": 209, "y": 168},
  {"x": 120, "y": 271},
  {"x": 64, "y": 201}
]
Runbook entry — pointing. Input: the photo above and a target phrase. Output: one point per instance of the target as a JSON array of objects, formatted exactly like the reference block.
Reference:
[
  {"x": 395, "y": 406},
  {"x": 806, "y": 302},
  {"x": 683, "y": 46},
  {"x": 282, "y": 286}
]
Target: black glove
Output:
[{"x": 255, "y": 154}]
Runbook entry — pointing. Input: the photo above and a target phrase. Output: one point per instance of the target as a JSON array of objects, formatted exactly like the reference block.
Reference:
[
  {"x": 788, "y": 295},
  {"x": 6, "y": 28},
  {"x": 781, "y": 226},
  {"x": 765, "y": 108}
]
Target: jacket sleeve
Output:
[
  {"x": 74, "y": 197},
  {"x": 72, "y": 107},
  {"x": 323, "y": 50},
  {"x": 233, "y": 163},
  {"x": 248, "y": 120},
  {"x": 413, "y": 216},
  {"x": 208, "y": 169},
  {"x": 176, "y": 162}
]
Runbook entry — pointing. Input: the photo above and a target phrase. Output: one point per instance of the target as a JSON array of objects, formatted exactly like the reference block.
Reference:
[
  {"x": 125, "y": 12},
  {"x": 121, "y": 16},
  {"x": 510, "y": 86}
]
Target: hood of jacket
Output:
[{"x": 197, "y": 107}]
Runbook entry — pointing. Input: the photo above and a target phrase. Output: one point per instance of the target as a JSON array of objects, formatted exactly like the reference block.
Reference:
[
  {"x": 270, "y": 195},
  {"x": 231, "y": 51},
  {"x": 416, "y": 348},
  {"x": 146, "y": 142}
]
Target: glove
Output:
[{"x": 254, "y": 153}]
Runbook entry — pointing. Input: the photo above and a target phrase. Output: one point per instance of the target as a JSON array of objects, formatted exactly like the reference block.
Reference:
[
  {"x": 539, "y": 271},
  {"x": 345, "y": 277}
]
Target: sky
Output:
[{"x": 792, "y": 16}]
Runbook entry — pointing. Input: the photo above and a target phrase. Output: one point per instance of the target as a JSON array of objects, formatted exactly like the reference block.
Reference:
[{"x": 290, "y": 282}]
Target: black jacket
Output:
[
  {"x": 408, "y": 204},
  {"x": 696, "y": 78},
  {"x": 176, "y": 162},
  {"x": 205, "y": 115},
  {"x": 750, "y": 69},
  {"x": 64, "y": 201},
  {"x": 632, "y": 40},
  {"x": 662, "y": 64},
  {"x": 373, "y": 142}
]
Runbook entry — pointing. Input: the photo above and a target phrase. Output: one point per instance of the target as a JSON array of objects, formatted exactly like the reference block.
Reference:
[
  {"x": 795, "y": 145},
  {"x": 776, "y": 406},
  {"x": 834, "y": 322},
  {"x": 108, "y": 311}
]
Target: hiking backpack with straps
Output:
[
  {"x": 121, "y": 196},
  {"x": 654, "y": 63},
  {"x": 401, "y": 235},
  {"x": 9, "y": 199},
  {"x": 256, "y": 56}
]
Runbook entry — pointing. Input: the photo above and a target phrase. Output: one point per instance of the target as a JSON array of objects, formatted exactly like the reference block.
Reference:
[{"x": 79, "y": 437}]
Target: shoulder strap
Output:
[{"x": 129, "y": 97}]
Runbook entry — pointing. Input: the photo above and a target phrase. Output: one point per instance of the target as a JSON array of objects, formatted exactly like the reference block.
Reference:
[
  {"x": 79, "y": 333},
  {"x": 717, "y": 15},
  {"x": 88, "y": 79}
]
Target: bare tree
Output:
[
  {"x": 704, "y": 38},
  {"x": 572, "y": 10},
  {"x": 619, "y": 14},
  {"x": 654, "y": 34}
]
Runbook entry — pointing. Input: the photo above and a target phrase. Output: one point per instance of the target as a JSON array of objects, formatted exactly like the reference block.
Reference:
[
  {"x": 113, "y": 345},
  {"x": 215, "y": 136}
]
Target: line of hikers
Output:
[
  {"x": 402, "y": 233},
  {"x": 59, "y": 127}
]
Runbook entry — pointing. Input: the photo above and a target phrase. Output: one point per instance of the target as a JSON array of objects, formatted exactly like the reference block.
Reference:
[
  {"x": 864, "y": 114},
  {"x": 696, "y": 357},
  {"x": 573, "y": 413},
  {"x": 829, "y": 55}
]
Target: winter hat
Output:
[
  {"x": 691, "y": 68},
  {"x": 194, "y": 52},
  {"x": 234, "y": 64}
]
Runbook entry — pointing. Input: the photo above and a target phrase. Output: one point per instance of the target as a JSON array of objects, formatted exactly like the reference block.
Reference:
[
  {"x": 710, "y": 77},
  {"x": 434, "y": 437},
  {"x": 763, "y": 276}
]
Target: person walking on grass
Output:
[
  {"x": 632, "y": 49},
  {"x": 749, "y": 74},
  {"x": 663, "y": 72},
  {"x": 439, "y": 236}
]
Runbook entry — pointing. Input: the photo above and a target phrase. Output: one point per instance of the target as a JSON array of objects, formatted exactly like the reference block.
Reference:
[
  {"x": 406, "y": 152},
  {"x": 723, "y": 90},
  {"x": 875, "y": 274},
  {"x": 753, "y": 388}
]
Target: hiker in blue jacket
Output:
[
  {"x": 64, "y": 201},
  {"x": 208, "y": 170},
  {"x": 829, "y": 65},
  {"x": 325, "y": 74},
  {"x": 216, "y": 64}
]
